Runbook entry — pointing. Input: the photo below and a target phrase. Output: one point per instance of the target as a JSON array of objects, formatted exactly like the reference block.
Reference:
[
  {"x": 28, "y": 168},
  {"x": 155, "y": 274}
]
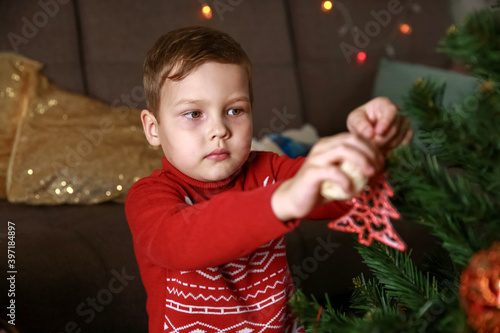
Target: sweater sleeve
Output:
[
  {"x": 288, "y": 167},
  {"x": 176, "y": 235}
]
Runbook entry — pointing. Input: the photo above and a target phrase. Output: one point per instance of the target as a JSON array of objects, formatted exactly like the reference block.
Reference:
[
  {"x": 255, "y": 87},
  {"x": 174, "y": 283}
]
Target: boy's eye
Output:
[
  {"x": 193, "y": 114},
  {"x": 235, "y": 112}
]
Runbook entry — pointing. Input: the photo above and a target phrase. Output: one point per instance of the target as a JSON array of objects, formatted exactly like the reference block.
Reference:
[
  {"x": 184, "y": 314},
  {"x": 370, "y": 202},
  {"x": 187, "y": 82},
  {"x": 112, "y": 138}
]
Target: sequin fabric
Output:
[
  {"x": 70, "y": 149},
  {"x": 17, "y": 75}
]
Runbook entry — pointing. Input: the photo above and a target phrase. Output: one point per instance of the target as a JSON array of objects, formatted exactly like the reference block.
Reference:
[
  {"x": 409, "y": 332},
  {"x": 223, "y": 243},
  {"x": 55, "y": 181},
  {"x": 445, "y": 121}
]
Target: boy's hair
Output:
[{"x": 178, "y": 53}]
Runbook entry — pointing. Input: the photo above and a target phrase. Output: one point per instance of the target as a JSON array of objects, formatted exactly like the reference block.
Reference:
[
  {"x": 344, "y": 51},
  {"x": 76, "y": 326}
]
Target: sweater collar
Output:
[{"x": 168, "y": 167}]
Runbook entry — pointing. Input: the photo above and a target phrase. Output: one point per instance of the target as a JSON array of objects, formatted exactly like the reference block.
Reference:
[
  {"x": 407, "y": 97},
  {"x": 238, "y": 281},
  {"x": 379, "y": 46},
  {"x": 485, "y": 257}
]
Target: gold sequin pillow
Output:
[
  {"x": 17, "y": 75},
  {"x": 72, "y": 149}
]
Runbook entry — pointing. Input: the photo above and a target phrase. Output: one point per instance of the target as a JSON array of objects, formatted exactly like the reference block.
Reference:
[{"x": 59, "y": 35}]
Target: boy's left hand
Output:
[{"x": 378, "y": 122}]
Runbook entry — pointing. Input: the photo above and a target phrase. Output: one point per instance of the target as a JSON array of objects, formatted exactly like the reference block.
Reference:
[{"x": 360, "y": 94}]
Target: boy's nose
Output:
[{"x": 218, "y": 130}]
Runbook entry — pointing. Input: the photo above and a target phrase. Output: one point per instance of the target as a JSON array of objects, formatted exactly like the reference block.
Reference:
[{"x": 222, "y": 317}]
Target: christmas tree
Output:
[{"x": 447, "y": 179}]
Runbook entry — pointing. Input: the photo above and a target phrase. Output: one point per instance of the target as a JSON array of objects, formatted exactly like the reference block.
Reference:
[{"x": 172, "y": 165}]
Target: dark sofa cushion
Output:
[
  {"x": 47, "y": 32},
  {"x": 75, "y": 268}
]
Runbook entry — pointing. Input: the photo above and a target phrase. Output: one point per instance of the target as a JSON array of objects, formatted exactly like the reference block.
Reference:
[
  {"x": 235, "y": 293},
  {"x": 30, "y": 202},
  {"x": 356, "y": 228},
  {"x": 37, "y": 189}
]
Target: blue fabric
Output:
[{"x": 289, "y": 146}]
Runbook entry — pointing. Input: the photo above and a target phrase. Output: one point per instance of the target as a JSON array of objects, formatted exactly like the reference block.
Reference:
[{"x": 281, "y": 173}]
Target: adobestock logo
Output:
[
  {"x": 87, "y": 309},
  {"x": 127, "y": 102},
  {"x": 278, "y": 123},
  {"x": 310, "y": 264},
  {"x": 220, "y": 6},
  {"x": 372, "y": 29},
  {"x": 421, "y": 322},
  {"x": 31, "y": 27}
]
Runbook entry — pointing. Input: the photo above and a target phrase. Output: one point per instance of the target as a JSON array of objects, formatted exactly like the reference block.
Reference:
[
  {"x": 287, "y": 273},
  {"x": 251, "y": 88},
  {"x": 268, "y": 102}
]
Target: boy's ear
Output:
[{"x": 150, "y": 126}]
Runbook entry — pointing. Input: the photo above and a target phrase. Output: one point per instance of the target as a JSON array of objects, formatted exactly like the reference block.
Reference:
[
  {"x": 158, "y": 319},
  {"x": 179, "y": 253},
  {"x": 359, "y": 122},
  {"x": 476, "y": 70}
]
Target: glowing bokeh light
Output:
[
  {"x": 326, "y": 6},
  {"x": 405, "y": 29},
  {"x": 360, "y": 58},
  {"x": 207, "y": 12}
]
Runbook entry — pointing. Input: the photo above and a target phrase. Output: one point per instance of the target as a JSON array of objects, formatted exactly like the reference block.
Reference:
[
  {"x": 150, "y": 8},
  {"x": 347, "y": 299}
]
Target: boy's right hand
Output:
[{"x": 296, "y": 197}]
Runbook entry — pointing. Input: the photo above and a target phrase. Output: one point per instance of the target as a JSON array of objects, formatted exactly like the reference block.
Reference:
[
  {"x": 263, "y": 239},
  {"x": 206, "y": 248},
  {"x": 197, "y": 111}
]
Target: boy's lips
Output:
[{"x": 218, "y": 155}]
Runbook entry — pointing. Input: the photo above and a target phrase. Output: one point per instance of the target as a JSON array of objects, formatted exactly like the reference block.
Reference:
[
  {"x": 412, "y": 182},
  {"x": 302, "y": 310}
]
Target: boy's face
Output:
[{"x": 205, "y": 127}]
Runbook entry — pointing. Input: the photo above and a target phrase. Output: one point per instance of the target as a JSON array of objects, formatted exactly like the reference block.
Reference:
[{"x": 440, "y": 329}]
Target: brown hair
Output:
[{"x": 178, "y": 53}]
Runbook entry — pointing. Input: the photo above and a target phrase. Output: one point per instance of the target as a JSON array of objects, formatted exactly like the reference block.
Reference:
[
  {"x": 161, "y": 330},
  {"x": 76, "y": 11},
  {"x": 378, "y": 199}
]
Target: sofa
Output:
[{"x": 75, "y": 269}]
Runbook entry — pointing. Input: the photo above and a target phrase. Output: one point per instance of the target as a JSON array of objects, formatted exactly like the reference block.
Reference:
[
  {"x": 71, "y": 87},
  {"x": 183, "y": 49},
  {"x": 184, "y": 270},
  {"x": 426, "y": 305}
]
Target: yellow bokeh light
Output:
[
  {"x": 327, "y": 5},
  {"x": 207, "y": 11}
]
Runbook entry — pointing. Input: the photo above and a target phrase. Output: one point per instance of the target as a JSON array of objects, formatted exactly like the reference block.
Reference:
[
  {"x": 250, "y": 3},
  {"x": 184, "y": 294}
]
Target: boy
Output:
[{"x": 209, "y": 228}]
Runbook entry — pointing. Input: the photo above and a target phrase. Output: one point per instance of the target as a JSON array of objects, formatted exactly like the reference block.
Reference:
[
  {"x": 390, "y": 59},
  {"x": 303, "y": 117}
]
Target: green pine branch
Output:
[
  {"x": 307, "y": 310},
  {"x": 407, "y": 295},
  {"x": 447, "y": 179},
  {"x": 332, "y": 321},
  {"x": 402, "y": 280},
  {"x": 370, "y": 296},
  {"x": 476, "y": 44}
]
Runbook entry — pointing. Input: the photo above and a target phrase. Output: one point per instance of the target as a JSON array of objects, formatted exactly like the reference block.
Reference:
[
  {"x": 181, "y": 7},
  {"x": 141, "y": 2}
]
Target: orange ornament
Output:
[{"x": 480, "y": 290}]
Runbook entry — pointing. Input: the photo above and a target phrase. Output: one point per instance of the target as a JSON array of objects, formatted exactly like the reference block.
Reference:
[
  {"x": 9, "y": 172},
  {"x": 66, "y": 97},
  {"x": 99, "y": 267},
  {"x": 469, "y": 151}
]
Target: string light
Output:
[
  {"x": 405, "y": 29},
  {"x": 326, "y": 6},
  {"x": 349, "y": 26},
  {"x": 360, "y": 58},
  {"x": 207, "y": 12}
]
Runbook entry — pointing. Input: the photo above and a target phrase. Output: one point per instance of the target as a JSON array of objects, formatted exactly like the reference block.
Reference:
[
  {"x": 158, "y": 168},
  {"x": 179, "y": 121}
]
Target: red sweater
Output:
[{"x": 212, "y": 254}]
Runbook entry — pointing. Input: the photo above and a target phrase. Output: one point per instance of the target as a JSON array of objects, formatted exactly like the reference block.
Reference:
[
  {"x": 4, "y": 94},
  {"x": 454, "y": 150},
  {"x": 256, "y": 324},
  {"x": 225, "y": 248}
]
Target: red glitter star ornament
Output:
[{"x": 370, "y": 216}]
